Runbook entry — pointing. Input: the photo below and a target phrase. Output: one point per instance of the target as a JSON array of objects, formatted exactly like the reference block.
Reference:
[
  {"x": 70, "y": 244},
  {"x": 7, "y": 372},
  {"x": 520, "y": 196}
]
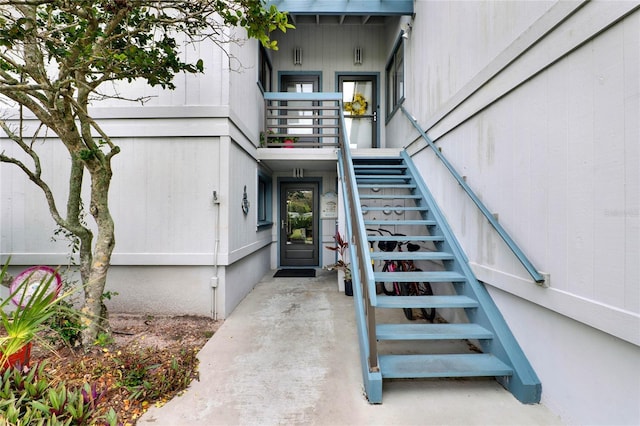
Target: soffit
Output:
[{"x": 345, "y": 12}]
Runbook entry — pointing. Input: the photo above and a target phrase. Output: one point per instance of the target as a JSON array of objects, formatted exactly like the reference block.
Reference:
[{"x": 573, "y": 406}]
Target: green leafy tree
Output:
[{"x": 55, "y": 55}]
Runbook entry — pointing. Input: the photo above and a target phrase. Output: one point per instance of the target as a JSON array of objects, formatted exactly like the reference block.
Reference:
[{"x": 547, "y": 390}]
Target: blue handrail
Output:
[{"x": 537, "y": 277}]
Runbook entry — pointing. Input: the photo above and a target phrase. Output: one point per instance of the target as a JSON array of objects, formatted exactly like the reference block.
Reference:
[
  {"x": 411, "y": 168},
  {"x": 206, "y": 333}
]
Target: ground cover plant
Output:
[{"x": 149, "y": 360}]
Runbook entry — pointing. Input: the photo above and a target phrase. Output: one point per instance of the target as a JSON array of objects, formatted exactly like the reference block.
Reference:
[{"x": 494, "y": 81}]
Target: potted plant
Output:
[
  {"x": 288, "y": 141},
  {"x": 341, "y": 265},
  {"x": 36, "y": 302}
]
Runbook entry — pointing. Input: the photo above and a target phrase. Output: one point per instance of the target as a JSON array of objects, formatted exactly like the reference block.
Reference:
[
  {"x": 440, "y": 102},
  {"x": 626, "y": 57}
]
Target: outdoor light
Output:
[
  {"x": 357, "y": 56},
  {"x": 297, "y": 56},
  {"x": 406, "y": 30}
]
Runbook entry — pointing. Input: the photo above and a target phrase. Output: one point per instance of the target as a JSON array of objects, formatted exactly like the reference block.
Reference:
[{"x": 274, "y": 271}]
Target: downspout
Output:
[{"x": 216, "y": 247}]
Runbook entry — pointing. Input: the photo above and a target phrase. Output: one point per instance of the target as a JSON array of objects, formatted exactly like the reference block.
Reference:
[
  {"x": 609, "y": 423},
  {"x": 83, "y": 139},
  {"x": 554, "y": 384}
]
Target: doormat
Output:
[{"x": 295, "y": 273}]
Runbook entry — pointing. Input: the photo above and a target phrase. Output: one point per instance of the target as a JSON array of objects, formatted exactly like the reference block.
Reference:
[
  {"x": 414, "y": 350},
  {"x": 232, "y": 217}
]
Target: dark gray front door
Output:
[{"x": 299, "y": 241}]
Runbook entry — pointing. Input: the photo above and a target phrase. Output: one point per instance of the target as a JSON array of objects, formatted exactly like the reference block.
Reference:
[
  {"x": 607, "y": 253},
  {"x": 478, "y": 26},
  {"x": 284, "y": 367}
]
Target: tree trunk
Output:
[{"x": 93, "y": 308}]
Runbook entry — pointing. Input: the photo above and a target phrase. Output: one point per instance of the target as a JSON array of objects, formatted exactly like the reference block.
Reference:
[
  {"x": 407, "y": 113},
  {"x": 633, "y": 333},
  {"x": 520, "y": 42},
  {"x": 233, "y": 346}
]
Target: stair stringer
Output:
[
  {"x": 372, "y": 379},
  {"x": 524, "y": 384}
]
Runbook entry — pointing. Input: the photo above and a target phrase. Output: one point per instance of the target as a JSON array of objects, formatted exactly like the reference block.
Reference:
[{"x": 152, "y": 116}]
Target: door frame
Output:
[
  {"x": 364, "y": 75},
  {"x": 292, "y": 74},
  {"x": 317, "y": 223}
]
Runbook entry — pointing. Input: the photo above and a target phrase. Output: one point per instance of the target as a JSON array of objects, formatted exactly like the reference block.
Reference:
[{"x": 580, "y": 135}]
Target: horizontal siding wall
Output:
[
  {"x": 177, "y": 148},
  {"x": 160, "y": 198},
  {"x": 208, "y": 88},
  {"x": 540, "y": 114}
]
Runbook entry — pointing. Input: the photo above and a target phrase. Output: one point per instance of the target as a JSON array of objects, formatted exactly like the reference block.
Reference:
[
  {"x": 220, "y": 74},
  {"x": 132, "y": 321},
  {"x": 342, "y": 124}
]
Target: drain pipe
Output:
[{"x": 214, "y": 279}]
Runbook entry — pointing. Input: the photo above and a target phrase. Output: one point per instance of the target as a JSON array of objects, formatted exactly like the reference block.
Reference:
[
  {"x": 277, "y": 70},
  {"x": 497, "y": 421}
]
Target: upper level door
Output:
[
  {"x": 360, "y": 100},
  {"x": 302, "y": 122}
]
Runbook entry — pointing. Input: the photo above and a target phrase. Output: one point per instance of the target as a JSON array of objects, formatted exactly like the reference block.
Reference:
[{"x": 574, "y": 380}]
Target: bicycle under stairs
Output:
[{"x": 394, "y": 197}]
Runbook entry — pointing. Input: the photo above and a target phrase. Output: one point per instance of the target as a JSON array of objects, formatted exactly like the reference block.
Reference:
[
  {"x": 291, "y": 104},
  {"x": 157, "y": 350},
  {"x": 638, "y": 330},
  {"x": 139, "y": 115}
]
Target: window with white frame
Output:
[{"x": 395, "y": 78}]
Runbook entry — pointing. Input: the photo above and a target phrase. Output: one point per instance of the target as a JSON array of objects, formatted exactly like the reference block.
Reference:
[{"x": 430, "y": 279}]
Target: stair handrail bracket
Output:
[
  {"x": 364, "y": 292},
  {"x": 541, "y": 279}
]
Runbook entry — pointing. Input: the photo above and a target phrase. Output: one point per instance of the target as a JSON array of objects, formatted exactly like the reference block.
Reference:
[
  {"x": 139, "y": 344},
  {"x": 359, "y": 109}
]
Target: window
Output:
[
  {"x": 264, "y": 200},
  {"x": 264, "y": 70},
  {"x": 395, "y": 78}
]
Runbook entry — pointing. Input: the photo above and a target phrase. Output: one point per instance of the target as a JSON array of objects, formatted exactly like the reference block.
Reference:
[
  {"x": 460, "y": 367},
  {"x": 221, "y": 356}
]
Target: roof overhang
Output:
[
  {"x": 345, "y": 7},
  {"x": 342, "y": 11}
]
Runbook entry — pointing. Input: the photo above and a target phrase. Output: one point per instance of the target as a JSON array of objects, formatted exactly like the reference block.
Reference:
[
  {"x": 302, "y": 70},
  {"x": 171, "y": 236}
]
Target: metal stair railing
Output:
[
  {"x": 364, "y": 290},
  {"x": 524, "y": 260}
]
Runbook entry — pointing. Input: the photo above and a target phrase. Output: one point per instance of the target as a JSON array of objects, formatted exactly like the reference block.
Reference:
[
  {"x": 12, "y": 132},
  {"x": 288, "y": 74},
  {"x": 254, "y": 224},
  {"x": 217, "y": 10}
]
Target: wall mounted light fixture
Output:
[
  {"x": 297, "y": 56},
  {"x": 406, "y": 29},
  {"x": 357, "y": 56}
]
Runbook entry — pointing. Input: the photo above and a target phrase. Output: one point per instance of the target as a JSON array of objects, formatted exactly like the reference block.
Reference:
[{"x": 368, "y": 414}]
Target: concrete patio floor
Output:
[{"x": 288, "y": 355}]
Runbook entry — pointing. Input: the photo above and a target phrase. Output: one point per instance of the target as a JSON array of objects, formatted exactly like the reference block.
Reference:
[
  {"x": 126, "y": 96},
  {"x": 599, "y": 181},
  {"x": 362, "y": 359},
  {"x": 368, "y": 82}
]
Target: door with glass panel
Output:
[
  {"x": 301, "y": 121},
  {"x": 299, "y": 241},
  {"x": 360, "y": 101}
]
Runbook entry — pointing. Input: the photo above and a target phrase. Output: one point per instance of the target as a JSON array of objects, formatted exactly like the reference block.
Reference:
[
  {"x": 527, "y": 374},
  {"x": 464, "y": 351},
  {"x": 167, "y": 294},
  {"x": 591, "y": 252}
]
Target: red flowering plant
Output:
[{"x": 341, "y": 248}]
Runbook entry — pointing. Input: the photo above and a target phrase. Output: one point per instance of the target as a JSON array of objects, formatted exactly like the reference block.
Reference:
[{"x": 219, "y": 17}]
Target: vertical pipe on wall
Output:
[{"x": 215, "y": 279}]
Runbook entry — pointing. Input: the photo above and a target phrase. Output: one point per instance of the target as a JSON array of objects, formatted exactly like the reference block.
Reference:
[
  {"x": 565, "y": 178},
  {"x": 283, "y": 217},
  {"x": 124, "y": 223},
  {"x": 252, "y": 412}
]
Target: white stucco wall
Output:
[{"x": 539, "y": 111}]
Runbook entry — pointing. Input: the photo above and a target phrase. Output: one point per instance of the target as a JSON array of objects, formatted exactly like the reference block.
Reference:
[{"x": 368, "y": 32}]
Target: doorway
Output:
[
  {"x": 299, "y": 223},
  {"x": 300, "y": 118},
  {"x": 360, "y": 100}
]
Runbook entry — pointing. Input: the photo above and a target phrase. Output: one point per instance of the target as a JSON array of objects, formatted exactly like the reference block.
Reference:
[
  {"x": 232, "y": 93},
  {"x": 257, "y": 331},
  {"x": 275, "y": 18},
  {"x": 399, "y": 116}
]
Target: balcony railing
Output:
[{"x": 302, "y": 120}]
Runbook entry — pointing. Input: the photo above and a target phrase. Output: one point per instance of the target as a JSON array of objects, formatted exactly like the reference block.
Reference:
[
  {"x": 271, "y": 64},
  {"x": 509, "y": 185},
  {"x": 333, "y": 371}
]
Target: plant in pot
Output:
[
  {"x": 288, "y": 141},
  {"x": 35, "y": 294},
  {"x": 341, "y": 265}
]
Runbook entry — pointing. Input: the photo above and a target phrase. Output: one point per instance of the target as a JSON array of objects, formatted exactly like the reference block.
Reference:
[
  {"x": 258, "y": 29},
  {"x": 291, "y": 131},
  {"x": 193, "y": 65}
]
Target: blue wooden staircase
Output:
[{"x": 392, "y": 196}]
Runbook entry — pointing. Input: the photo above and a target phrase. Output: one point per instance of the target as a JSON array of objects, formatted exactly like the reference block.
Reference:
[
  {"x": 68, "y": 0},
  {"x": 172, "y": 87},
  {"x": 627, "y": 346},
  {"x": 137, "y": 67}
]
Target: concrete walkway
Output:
[{"x": 288, "y": 355}]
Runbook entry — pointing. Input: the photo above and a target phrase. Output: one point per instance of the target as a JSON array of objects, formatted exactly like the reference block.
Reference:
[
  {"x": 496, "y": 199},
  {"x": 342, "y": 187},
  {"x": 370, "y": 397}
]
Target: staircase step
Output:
[
  {"x": 431, "y": 332},
  {"x": 415, "y": 238},
  {"x": 406, "y": 209},
  {"x": 388, "y": 185},
  {"x": 454, "y": 365},
  {"x": 390, "y": 197},
  {"x": 361, "y": 177},
  {"x": 421, "y": 276},
  {"x": 367, "y": 166},
  {"x": 383, "y": 222},
  {"x": 441, "y": 302},
  {"x": 408, "y": 255}
]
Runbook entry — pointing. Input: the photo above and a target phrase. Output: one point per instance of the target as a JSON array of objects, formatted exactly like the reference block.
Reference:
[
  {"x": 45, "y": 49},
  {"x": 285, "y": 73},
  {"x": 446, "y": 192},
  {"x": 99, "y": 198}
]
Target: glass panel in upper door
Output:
[{"x": 359, "y": 100}]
